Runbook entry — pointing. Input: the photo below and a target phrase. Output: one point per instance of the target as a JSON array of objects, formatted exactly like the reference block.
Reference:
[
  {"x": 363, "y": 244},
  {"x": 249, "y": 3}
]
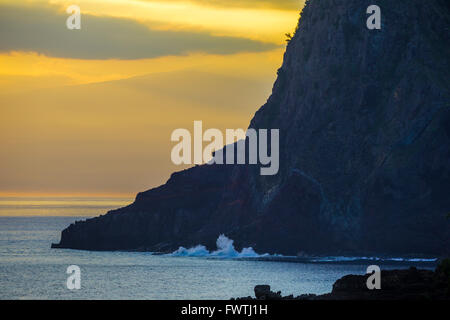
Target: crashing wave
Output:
[{"x": 225, "y": 249}]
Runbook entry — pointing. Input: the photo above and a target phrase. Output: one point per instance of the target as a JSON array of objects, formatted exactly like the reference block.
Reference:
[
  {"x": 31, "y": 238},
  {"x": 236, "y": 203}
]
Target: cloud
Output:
[
  {"x": 43, "y": 30},
  {"x": 269, "y": 4}
]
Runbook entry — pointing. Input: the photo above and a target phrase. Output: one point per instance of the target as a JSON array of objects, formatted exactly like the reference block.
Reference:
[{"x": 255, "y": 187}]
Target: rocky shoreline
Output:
[{"x": 408, "y": 284}]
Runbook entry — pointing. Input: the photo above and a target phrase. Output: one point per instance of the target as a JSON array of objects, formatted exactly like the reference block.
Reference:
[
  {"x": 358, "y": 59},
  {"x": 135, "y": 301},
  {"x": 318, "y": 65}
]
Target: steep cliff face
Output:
[{"x": 364, "y": 123}]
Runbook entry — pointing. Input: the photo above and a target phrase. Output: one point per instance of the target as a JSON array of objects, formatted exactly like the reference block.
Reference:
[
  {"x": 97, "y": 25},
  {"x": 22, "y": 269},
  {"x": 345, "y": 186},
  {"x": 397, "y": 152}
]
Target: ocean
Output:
[{"x": 30, "y": 269}]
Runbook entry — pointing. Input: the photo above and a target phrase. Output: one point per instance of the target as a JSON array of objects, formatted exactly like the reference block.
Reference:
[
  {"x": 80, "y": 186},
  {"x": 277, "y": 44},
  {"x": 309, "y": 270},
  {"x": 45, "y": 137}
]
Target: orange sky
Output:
[{"x": 92, "y": 113}]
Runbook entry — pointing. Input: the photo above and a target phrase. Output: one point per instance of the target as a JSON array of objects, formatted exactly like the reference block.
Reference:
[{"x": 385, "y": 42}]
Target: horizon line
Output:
[{"x": 18, "y": 194}]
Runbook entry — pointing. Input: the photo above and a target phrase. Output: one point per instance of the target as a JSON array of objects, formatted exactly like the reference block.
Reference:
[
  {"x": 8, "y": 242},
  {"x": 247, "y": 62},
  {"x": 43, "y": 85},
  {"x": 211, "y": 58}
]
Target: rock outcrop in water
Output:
[
  {"x": 364, "y": 123},
  {"x": 408, "y": 284}
]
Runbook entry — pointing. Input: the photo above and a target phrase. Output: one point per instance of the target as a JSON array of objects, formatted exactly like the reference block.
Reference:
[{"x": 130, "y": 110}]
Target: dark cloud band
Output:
[
  {"x": 44, "y": 31},
  {"x": 272, "y": 4}
]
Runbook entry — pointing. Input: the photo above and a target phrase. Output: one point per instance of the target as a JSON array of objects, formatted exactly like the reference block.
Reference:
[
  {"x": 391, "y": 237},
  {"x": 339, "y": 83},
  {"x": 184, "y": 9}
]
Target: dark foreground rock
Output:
[
  {"x": 364, "y": 122},
  {"x": 409, "y": 284}
]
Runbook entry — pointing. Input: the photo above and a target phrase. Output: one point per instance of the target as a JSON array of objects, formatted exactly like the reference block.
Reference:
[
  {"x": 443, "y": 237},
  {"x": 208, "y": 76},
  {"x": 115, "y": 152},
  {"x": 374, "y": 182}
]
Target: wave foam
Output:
[
  {"x": 384, "y": 259},
  {"x": 225, "y": 249}
]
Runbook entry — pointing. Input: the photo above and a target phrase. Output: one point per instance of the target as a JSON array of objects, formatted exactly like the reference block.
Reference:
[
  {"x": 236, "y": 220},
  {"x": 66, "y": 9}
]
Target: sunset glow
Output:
[{"x": 84, "y": 120}]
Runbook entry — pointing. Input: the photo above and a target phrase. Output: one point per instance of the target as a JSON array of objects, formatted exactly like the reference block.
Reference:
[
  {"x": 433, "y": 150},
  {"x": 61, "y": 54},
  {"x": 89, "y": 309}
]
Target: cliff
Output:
[{"x": 364, "y": 123}]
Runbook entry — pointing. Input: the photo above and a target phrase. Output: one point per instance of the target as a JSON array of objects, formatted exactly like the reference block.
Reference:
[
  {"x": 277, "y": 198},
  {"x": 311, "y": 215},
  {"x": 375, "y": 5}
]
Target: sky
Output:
[{"x": 91, "y": 111}]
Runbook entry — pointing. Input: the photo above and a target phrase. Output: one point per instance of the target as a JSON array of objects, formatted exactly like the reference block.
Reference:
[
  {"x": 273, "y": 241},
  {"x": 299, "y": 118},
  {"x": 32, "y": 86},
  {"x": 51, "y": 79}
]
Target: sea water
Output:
[{"x": 30, "y": 269}]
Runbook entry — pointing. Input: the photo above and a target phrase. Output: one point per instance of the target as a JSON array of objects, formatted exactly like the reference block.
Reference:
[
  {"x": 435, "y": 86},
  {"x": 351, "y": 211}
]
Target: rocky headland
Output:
[{"x": 364, "y": 120}]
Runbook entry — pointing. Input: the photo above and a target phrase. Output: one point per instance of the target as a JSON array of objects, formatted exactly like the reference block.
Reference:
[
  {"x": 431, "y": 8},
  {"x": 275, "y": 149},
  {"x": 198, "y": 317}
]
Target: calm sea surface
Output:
[{"x": 30, "y": 269}]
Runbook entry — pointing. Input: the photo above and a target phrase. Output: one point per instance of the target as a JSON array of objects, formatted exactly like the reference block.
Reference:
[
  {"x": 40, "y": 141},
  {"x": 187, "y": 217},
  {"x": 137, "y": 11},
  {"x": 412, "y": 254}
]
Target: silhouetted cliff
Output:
[{"x": 364, "y": 123}]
